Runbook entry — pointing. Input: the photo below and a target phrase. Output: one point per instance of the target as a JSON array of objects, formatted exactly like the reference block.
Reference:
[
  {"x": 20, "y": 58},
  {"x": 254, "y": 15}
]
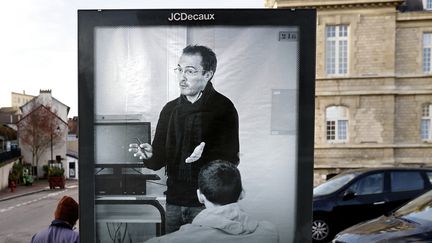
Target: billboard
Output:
[{"x": 140, "y": 82}]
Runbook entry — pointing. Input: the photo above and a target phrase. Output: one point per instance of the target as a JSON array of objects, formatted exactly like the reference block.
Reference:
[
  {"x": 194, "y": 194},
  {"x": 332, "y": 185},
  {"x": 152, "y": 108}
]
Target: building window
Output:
[
  {"x": 427, "y": 46},
  {"x": 337, "y": 49},
  {"x": 336, "y": 123},
  {"x": 426, "y": 122},
  {"x": 402, "y": 181},
  {"x": 371, "y": 184},
  {"x": 428, "y": 4}
]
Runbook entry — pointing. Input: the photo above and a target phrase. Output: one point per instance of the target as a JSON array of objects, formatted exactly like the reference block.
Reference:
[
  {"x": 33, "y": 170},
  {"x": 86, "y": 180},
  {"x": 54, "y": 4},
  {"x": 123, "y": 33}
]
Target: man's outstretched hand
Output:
[
  {"x": 143, "y": 151},
  {"x": 196, "y": 154}
]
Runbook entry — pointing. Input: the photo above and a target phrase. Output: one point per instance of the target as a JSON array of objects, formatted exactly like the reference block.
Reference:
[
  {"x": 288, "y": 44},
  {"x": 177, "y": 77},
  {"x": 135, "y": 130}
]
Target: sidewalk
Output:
[{"x": 38, "y": 186}]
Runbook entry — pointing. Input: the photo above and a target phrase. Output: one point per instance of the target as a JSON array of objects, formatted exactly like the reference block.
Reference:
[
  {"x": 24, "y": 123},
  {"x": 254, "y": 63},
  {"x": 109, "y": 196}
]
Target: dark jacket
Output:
[
  {"x": 57, "y": 232},
  {"x": 181, "y": 127}
]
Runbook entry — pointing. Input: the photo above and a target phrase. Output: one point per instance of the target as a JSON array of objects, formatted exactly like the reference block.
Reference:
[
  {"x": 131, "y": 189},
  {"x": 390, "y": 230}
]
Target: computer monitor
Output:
[
  {"x": 116, "y": 169},
  {"x": 112, "y": 139}
]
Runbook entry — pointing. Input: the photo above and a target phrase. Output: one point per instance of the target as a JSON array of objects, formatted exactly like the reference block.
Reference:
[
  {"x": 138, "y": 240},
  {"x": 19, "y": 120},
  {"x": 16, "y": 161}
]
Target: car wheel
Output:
[{"x": 320, "y": 230}]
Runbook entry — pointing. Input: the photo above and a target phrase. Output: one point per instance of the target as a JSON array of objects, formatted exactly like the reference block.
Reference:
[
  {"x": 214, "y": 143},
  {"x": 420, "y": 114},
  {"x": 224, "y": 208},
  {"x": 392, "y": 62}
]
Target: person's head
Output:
[
  {"x": 67, "y": 210},
  {"x": 195, "y": 69},
  {"x": 220, "y": 183}
]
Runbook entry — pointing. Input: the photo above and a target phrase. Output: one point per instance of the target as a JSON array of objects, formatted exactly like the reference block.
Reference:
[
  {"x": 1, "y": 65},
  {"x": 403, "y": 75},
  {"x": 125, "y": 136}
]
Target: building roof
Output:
[
  {"x": 7, "y": 132},
  {"x": 402, "y": 5},
  {"x": 22, "y": 94},
  {"x": 411, "y": 5},
  {"x": 68, "y": 108},
  {"x": 54, "y": 99},
  {"x": 9, "y": 110},
  {"x": 42, "y": 107},
  {"x": 9, "y": 115},
  {"x": 321, "y": 4},
  {"x": 72, "y": 154}
]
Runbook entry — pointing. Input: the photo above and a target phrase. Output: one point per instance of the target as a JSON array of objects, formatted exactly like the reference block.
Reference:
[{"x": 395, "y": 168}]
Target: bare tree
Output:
[{"x": 39, "y": 130}]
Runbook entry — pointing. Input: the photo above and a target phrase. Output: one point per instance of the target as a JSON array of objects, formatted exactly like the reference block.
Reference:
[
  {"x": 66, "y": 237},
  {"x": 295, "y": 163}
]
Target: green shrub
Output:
[
  {"x": 16, "y": 172},
  {"x": 55, "y": 171},
  {"x": 13, "y": 176}
]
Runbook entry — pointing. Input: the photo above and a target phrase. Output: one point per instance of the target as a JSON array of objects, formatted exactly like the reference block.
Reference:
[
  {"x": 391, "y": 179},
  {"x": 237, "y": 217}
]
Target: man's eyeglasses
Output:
[{"x": 187, "y": 72}]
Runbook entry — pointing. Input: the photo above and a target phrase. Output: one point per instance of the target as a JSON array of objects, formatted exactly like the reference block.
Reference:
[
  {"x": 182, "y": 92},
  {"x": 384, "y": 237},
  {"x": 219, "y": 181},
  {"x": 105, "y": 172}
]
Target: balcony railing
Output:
[{"x": 14, "y": 153}]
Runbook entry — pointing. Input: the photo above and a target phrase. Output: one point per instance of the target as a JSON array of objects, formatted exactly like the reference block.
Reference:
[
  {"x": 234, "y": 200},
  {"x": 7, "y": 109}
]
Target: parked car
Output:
[
  {"x": 355, "y": 196},
  {"x": 410, "y": 223}
]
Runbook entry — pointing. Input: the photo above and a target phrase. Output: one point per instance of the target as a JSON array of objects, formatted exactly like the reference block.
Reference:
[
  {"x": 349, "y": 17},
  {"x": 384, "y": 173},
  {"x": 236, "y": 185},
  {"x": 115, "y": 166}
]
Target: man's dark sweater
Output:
[{"x": 181, "y": 127}]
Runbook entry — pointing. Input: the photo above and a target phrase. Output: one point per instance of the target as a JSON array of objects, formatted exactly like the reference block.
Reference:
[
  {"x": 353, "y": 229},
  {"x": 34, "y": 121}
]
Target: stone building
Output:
[
  {"x": 11, "y": 115},
  {"x": 20, "y": 99},
  {"x": 373, "y": 100}
]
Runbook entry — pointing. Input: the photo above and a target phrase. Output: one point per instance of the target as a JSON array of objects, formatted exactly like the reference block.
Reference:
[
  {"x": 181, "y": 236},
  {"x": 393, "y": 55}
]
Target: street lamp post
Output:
[
  {"x": 57, "y": 129},
  {"x": 51, "y": 147}
]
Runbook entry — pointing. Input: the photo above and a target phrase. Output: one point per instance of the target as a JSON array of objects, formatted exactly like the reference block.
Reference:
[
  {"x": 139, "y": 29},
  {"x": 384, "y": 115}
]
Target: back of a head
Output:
[
  {"x": 67, "y": 210},
  {"x": 220, "y": 182}
]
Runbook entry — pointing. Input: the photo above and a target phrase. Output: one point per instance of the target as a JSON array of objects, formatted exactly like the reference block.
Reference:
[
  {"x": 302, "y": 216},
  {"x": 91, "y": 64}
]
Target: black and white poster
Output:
[{"x": 132, "y": 67}]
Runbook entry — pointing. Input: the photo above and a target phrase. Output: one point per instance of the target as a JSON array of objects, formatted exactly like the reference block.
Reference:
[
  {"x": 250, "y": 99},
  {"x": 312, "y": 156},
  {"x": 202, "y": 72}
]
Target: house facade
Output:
[
  {"x": 373, "y": 100},
  {"x": 72, "y": 149},
  {"x": 52, "y": 137}
]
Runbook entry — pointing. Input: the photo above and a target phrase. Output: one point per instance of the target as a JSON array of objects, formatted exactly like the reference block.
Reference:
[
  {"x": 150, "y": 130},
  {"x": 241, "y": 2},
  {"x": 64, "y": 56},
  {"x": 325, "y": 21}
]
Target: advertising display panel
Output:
[{"x": 164, "y": 92}]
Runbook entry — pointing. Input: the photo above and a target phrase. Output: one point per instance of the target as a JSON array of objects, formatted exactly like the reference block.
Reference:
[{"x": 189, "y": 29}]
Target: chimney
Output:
[{"x": 45, "y": 91}]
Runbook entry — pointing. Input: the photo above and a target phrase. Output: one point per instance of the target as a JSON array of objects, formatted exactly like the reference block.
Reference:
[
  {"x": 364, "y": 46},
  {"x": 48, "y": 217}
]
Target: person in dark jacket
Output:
[
  {"x": 61, "y": 228},
  {"x": 222, "y": 220},
  {"x": 199, "y": 126}
]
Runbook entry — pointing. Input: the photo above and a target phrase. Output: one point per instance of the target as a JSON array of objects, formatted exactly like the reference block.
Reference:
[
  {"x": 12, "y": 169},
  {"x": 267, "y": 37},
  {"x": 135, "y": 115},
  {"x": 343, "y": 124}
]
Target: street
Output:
[{"x": 22, "y": 217}]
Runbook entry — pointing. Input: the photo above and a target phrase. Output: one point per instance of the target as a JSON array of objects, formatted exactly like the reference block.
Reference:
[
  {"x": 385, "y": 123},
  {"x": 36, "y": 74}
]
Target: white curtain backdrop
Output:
[{"x": 256, "y": 70}]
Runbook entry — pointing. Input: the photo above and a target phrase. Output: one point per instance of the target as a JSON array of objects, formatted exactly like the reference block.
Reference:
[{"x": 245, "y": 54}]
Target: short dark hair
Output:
[
  {"x": 209, "y": 61},
  {"x": 220, "y": 182}
]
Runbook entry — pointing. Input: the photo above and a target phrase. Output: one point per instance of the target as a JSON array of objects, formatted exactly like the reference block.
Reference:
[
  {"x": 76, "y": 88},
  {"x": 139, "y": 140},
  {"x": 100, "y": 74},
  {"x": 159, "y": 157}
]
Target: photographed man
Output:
[
  {"x": 198, "y": 127},
  {"x": 222, "y": 220}
]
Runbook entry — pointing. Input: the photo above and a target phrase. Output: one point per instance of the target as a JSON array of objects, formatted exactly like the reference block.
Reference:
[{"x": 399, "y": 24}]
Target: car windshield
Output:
[
  {"x": 418, "y": 210},
  {"x": 333, "y": 184}
]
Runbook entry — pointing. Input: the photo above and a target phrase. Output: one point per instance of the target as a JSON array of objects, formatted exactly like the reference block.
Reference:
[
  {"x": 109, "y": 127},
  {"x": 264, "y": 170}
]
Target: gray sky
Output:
[{"x": 38, "y": 44}]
